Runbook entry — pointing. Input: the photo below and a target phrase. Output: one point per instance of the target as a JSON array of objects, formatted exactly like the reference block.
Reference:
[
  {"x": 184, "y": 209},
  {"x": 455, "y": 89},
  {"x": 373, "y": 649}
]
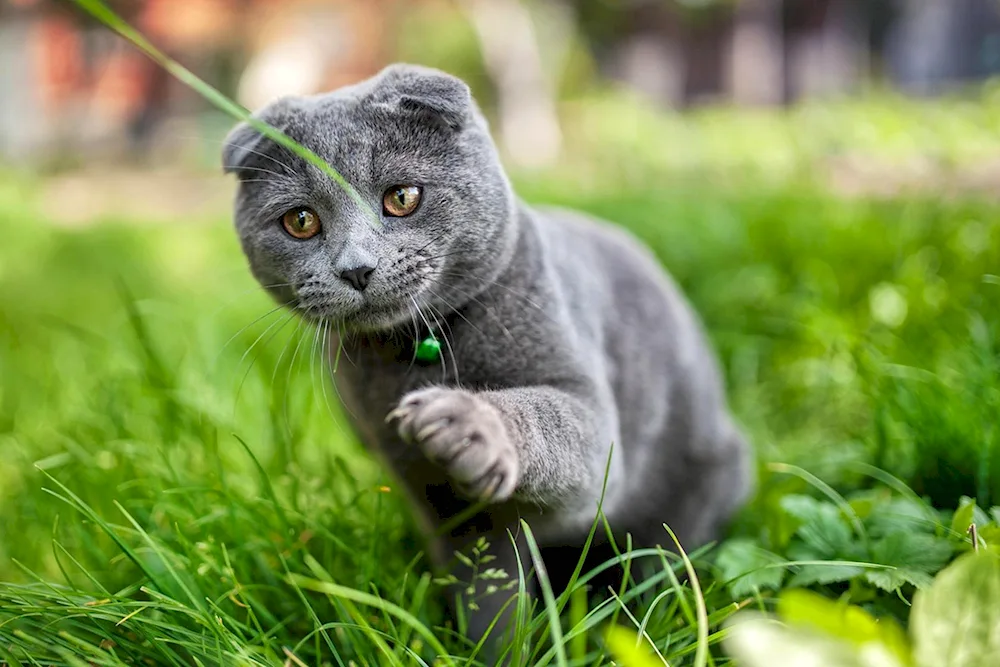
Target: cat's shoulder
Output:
[{"x": 576, "y": 231}]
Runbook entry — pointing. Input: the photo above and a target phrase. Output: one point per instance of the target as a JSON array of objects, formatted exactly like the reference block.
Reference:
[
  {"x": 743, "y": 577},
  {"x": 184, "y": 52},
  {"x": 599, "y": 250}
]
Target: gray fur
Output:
[{"x": 561, "y": 334}]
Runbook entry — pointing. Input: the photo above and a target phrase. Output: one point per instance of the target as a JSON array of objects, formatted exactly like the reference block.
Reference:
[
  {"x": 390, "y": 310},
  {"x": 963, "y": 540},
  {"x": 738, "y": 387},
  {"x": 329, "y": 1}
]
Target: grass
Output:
[
  {"x": 181, "y": 489},
  {"x": 176, "y": 486}
]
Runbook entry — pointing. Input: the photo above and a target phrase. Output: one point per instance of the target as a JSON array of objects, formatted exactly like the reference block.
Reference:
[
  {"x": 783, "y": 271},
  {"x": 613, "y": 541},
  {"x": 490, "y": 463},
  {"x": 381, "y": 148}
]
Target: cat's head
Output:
[{"x": 434, "y": 220}]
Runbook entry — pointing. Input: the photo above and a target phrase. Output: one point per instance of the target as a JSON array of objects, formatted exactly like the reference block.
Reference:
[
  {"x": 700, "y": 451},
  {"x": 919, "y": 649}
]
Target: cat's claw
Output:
[
  {"x": 463, "y": 434},
  {"x": 431, "y": 429},
  {"x": 398, "y": 413}
]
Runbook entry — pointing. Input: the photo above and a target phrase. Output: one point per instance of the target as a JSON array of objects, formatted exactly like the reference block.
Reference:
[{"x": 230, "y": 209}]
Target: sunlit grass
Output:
[{"x": 137, "y": 524}]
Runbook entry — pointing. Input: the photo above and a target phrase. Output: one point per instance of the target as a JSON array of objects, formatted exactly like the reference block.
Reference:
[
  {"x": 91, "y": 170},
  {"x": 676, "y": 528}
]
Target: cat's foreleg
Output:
[
  {"x": 537, "y": 444},
  {"x": 532, "y": 444}
]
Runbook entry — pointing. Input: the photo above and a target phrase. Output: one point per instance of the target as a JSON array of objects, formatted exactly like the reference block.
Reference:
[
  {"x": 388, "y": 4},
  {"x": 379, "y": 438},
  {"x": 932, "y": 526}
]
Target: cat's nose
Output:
[{"x": 358, "y": 278}]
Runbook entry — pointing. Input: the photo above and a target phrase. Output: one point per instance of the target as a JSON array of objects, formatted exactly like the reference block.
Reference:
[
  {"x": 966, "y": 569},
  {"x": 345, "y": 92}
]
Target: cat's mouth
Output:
[{"x": 364, "y": 317}]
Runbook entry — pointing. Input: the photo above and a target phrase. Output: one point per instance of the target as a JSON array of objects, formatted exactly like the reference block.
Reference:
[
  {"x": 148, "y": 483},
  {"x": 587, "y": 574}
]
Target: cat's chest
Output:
[{"x": 372, "y": 376}]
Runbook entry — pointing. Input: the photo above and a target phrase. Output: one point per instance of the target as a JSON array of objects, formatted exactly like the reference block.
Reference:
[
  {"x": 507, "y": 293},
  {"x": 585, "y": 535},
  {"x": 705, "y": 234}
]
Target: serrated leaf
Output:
[
  {"x": 956, "y": 621},
  {"x": 803, "y": 508},
  {"x": 823, "y": 528},
  {"x": 865, "y": 502},
  {"x": 749, "y": 568},
  {"x": 891, "y": 580},
  {"x": 900, "y": 514},
  {"x": 808, "y": 575},
  {"x": 912, "y": 551}
]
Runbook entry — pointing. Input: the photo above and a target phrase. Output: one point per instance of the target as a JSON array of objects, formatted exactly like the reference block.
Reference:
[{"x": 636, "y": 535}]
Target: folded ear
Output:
[
  {"x": 438, "y": 97},
  {"x": 239, "y": 148}
]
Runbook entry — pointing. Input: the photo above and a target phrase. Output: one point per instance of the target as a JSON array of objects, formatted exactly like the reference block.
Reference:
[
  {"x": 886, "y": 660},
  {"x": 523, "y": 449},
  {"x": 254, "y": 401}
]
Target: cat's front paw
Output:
[{"x": 463, "y": 434}]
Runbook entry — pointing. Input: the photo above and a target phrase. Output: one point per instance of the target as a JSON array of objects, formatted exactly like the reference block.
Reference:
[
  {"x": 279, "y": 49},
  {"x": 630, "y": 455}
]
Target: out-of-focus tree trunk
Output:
[
  {"x": 756, "y": 67},
  {"x": 649, "y": 54},
  {"x": 528, "y": 123},
  {"x": 827, "y": 50}
]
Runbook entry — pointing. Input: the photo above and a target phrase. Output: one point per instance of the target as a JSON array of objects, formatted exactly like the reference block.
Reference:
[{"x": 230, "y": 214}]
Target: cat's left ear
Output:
[
  {"x": 239, "y": 148},
  {"x": 245, "y": 146},
  {"x": 436, "y": 96}
]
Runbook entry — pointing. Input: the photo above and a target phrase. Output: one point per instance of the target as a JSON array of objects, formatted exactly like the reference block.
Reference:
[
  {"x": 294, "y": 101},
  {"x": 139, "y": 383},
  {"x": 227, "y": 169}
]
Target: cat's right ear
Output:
[{"x": 441, "y": 99}]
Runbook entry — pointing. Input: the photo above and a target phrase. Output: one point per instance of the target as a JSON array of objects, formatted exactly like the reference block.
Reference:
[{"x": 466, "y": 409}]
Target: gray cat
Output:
[{"x": 534, "y": 361}]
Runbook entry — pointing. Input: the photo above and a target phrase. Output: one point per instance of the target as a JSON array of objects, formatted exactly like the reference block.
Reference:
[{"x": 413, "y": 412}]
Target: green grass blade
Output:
[
  {"x": 701, "y": 654},
  {"x": 109, "y": 18},
  {"x": 551, "y": 609},
  {"x": 370, "y": 600}
]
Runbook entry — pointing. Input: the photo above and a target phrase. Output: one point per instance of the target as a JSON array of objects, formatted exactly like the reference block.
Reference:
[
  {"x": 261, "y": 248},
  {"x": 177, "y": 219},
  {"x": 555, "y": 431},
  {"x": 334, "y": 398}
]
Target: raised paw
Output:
[{"x": 464, "y": 435}]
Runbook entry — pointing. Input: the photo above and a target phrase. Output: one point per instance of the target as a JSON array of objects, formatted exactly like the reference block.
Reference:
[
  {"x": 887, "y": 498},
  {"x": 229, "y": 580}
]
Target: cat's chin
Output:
[{"x": 367, "y": 321}]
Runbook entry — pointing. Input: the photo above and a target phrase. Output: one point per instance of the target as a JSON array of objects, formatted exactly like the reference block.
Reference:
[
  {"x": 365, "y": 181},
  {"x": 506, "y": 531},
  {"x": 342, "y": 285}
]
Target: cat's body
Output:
[{"x": 570, "y": 365}]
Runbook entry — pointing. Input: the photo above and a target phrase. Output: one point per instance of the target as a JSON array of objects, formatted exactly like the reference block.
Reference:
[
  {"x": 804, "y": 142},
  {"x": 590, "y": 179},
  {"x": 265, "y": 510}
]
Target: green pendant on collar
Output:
[{"x": 427, "y": 350}]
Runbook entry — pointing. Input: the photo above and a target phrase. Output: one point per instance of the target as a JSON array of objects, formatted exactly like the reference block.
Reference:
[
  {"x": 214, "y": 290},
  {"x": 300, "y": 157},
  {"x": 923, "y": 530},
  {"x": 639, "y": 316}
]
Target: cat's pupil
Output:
[{"x": 301, "y": 219}]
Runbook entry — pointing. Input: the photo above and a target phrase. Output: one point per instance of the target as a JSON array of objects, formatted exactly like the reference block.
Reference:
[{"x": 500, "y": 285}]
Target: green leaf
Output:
[
  {"x": 995, "y": 515},
  {"x": 823, "y": 528},
  {"x": 915, "y": 556},
  {"x": 894, "y": 579},
  {"x": 803, "y": 508},
  {"x": 956, "y": 622},
  {"x": 754, "y": 640},
  {"x": 849, "y": 623},
  {"x": 899, "y": 514},
  {"x": 962, "y": 518},
  {"x": 821, "y": 574},
  {"x": 991, "y": 535},
  {"x": 748, "y": 568}
]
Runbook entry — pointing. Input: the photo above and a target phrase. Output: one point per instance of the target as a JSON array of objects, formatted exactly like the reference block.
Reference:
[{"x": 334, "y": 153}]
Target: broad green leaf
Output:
[
  {"x": 892, "y": 580},
  {"x": 628, "y": 649},
  {"x": 749, "y": 569},
  {"x": 995, "y": 515},
  {"x": 991, "y": 535},
  {"x": 956, "y": 622},
  {"x": 808, "y": 575},
  {"x": 850, "y": 623},
  {"x": 915, "y": 556},
  {"x": 803, "y": 508},
  {"x": 962, "y": 518},
  {"x": 754, "y": 640},
  {"x": 899, "y": 514},
  {"x": 823, "y": 528}
]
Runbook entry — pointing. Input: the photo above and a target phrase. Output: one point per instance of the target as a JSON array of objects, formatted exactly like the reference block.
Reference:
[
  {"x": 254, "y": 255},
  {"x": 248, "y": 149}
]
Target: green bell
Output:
[{"x": 428, "y": 350}]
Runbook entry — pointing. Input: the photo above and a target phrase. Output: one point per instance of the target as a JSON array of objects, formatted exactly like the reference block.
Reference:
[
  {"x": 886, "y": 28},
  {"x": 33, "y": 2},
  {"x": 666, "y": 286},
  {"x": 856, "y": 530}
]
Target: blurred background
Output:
[
  {"x": 819, "y": 175},
  {"x": 565, "y": 82}
]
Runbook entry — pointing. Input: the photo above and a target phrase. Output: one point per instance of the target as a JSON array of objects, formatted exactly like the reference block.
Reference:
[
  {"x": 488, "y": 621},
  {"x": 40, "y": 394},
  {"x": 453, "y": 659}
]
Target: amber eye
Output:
[
  {"x": 401, "y": 200},
  {"x": 302, "y": 223}
]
